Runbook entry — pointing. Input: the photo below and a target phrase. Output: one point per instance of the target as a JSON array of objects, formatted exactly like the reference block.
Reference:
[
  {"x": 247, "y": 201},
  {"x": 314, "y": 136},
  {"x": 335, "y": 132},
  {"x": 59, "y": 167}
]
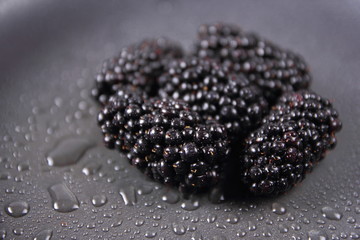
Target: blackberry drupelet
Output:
[
  {"x": 165, "y": 140},
  {"x": 273, "y": 69},
  {"x": 216, "y": 93},
  {"x": 293, "y": 138},
  {"x": 137, "y": 65}
]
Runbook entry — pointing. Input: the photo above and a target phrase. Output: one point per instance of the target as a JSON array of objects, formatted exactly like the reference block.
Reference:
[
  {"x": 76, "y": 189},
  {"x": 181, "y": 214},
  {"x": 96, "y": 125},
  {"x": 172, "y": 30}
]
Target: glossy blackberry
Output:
[
  {"x": 137, "y": 65},
  {"x": 273, "y": 69},
  {"x": 293, "y": 138},
  {"x": 166, "y": 140},
  {"x": 216, "y": 93}
]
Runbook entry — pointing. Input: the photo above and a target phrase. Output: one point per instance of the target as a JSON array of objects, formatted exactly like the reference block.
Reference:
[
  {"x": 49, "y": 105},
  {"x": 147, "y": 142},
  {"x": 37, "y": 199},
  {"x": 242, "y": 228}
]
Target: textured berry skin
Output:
[
  {"x": 293, "y": 138},
  {"x": 165, "y": 140},
  {"x": 136, "y": 66},
  {"x": 273, "y": 69},
  {"x": 216, "y": 93}
]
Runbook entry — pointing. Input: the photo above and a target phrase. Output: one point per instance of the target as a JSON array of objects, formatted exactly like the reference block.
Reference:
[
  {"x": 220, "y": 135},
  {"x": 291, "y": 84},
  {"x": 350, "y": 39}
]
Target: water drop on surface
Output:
[
  {"x": 149, "y": 234},
  {"x": 91, "y": 168},
  {"x": 23, "y": 167},
  {"x": 317, "y": 235},
  {"x": 44, "y": 235},
  {"x": 68, "y": 152},
  {"x": 2, "y": 234},
  {"x": 117, "y": 224},
  {"x": 18, "y": 231},
  {"x": 5, "y": 176},
  {"x": 278, "y": 208},
  {"x": 331, "y": 213},
  {"x": 170, "y": 196},
  {"x": 144, "y": 189},
  {"x": 211, "y": 218},
  {"x": 178, "y": 229},
  {"x": 63, "y": 199},
  {"x": 17, "y": 209},
  {"x": 99, "y": 200},
  {"x": 190, "y": 205},
  {"x": 128, "y": 195}
]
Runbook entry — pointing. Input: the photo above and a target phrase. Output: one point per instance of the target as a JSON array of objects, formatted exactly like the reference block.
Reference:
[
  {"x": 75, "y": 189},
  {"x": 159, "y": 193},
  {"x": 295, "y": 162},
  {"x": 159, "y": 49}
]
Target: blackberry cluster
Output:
[
  {"x": 293, "y": 138},
  {"x": 273, "y": 69},
  {"x": 235, "y": 109},
  {"x": 216, "y": 93},
  {"x": 166, "y": 140},
  {"x": 137, "y": 66}
]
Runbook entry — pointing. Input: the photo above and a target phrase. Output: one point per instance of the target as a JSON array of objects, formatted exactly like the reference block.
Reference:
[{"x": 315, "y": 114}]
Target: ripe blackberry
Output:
[
  {"x": 216, "y": 93},
  {"x": 166, "y": 140},
  {"x": 137, "y": 65},
  {"x": 293, "y": 138},
  {"x": 273, "y": 69}
]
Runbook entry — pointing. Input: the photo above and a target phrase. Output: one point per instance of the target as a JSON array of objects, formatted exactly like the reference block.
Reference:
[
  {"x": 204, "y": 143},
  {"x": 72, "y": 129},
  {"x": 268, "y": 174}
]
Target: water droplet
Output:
[
  {"x": 216, "y": 195},
  {"x": 44, "y": 235},
  {"x": 17, "y": 209},
  {"x": 144, "y": 189},
  {"x": 5, "y": 176},
  {"x": 211, "y": 218},
  {"x": 252, "y": 226},
  {"x": 99, "y": 200},
  {"x": 283, "y": 228},
  {"x": 178, "y": 229},
  {"x": 197, "y": 236},
  {"x": 190, "y": 205},
  {"x": 149, "y": 234},
  {"x": 139, "y": 222},
  {"x": 117, "y": 224},
  {"x": 68, "y": 152},
  {"x": 23, "y": 167},
  {"x": 317, "y": 235},
  {"x": 91, "y": 168},
  {"x": 2, "y": 234},
  {"x": 18, "y": 231},
  {"x": 128, "y": 195},
  {"x": 63, "y": 199},
  {"x": 278, "y": 208},
  {"x": 170, "y": 196},
  {"x": 232, "y": 218},
  {"x": 331, "y": 213}
]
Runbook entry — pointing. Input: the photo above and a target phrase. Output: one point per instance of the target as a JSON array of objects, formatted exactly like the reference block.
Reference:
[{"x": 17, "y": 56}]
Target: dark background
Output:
[{"x": 49, "y": 52}]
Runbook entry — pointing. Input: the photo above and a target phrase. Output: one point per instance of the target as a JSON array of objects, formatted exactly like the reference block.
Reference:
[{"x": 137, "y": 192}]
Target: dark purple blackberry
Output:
[
  {"x": 166, "y": 140},
  {"x": 293, "y": 138},
  {"x": 273, "y": 69},
  {"x": 137, "y": 65},
  {"x": 216, "y": 94}
]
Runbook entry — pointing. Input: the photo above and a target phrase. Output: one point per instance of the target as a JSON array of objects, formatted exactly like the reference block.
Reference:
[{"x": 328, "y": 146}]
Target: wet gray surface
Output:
[{"x": 49, "y": 52}]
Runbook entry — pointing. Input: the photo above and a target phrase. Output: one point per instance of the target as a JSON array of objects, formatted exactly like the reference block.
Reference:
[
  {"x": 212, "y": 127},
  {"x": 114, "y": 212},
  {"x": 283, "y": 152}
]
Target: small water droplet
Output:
[
  {"x": 17, "y": 209},
  {"x": 197, "y": 236},
  {"x": 2, "y": 234},
  {"x": 91, "y": 168},
  {"x": 283, "y": 228},
  {"x": 18, "y": 231},
  {"x": 232, "y": 218},
  {"x": 68, "y": 152},
  {"x": 23, "y": 167},
  {"x": 170, "y": 196},
  {"x": 99, "y": 200},
  {"x": 178, "y": 229},
  {"x": 211, "y": 218},
  {"x": 5, "y": 176},
  {"x": 149, "y": 234},
  {"x": 216, "y": 195},
  {"x": 331, "y": 213},
  {"x": 144, "y": 189},
  {"x": 190, "y": 205},
  {"x": 317, "y": 235},
  {"x": 252, "y": 226},
  {"x": 63, "y": 199},
  {"x": 128, "y": 195},
  {"x": 278, "y": 208},
  {"x": 44, "y": 235},
  {"x": 117, "y": 224},
  {"x": 139, "y": 222}
]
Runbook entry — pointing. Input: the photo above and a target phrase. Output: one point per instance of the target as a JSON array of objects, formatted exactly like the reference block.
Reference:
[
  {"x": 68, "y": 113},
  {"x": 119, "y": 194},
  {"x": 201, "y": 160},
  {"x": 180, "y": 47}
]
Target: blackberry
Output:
[
  {"x": 216, "y": 93},
  {"x": 137, "y": 66},
  {"x": 293, "y": 138},
  {"x": 273, "y": 69},
  {"x": 165, "y": 140}
]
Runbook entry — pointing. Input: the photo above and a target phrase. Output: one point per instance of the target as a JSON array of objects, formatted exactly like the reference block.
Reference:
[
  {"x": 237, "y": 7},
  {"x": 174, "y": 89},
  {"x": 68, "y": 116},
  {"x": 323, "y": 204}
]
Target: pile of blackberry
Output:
[{"x": 236, "y": 102}]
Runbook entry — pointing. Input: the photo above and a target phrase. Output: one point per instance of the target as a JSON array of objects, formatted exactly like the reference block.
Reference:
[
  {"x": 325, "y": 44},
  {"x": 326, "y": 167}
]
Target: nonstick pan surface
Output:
[{"x": 58, "y": 180}]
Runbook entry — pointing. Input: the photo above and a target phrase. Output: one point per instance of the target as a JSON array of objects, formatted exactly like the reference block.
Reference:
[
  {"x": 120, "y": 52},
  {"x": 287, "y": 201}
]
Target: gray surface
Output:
[{"x": 49, "y": 51}]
